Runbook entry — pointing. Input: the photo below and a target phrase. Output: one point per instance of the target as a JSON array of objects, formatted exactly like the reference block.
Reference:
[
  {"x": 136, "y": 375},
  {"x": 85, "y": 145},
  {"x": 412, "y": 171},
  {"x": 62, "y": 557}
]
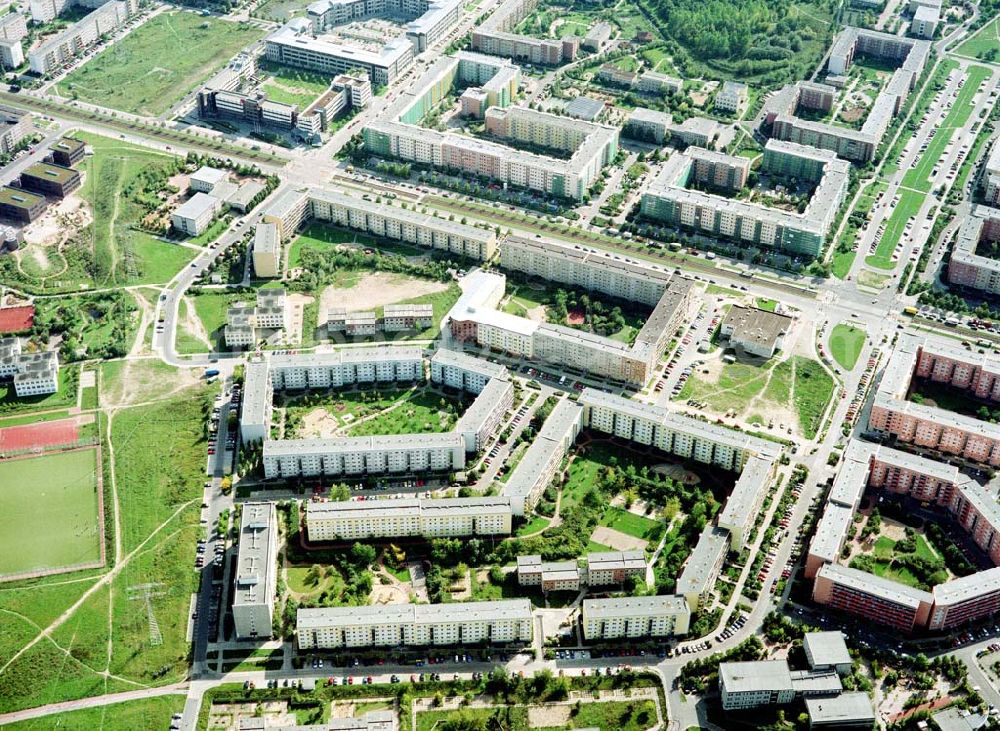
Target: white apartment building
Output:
[
  {"x": 754, "y": 684},
  {"x": 266, "y": 251},
  {"x": 464, "y": 372},
  {"x": 381, "y": 364},
  {"x": 397, "y": 318},
  {"x": 483, "y": 417},
  {"x": 411, "y": 517},
  {"x": 614, "y": 567},
  {"x": 550, "y": 576},
  {"x": 644, "y": 616},
  {"x": 731, "y": 97},
  {"x": 195, "y": 215},
  {"x": 356, "y": 456},
  {"x": 743, "y": 506},
  {"x": 697, "y": 580},
  {"x": 258, "y": 392},
  {"x": 71, "y": 42},
  {"x": 256, "y": 571},
  {"x": 244, "y": 324},
  {"x": 32, "y": 373},
  {"x": 295, "y": 207},
  {"x": 463, "y": 623}
]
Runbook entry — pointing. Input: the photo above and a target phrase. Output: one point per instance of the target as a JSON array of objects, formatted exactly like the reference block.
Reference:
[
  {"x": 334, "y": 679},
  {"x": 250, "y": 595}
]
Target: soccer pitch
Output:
[
  {"x": 159, "y": 62},
  {"x": 49, "y": 512}
]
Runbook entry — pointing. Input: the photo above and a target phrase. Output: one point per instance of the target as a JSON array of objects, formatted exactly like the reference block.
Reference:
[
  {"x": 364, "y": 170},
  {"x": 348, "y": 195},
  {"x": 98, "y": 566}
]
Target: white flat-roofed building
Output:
[
  {"x": 355, "y": 456},
  {"x": 754, "y": 684},
  {"x": 10, "y": 349},
  {"x": 258, "y": 392},
  {"x": 71, "y": 42},
  {"x": 371, "y": 721},
  {"x": 743, "y": 506},
  {"x": 651, "y": 82},
  {"x": 205, "y": 178},
  {"x": 459, "y": 623},
  {"x": 672, "y": 433},
  {"x": 194, "y": 215},
  {"x": 925, "y": 22},
  {"x": 644, "y": 616},
  {"x": 255, "y": 586},
  {"x": 239, "y": 330},
  {"x": 464, "y": 372},
  {"x": 544, "y": 457},
  {"x": 550, "y": 576},
  {"x": 847, "y": 710},
  {"x": 483, "y": 417},
  {"x": 648, "y": 125},
  {"x": 702, "y": 568},
  {"x": 828, "y": 540},
  {"x": 827, "y": 651},
  {"x": 429, "y": 518},
  {"x": 758, "y": 332},
  {"x": 615, "y": 567},
  {"x": 36, "y": 374},
  {"x": 731, "y": 97},
  {"x": 396, "y": 318},
  {"x": 266, "y": 251},
  {"x": 380, "y": 364},
  {"x": 294, "y": 207}
]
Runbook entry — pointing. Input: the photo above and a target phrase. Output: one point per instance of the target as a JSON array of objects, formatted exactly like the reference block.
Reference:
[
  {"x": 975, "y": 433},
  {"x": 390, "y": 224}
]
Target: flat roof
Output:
[
  {"x": 831, "y": 531},
  {"x": 826, "y": 648},
  {"x": 968, "y": 587},
  {"x": 635, "y": 606},
  {"x": 48, "y": 171},
  {"x": 847, "y": 708},
  {"x": 708, "y": 553},
  {"x": 387, "y": 614},
  {"x": 197, "y": 205},
  {"x": 255, "y": 559},
  {"x": 755, "y": 676},
  {"x": 20, "y": 198},
  {"x": 338, "y": 445},
  {"x": 867, "y": 583},
  {"x": 468, "y": 363}
]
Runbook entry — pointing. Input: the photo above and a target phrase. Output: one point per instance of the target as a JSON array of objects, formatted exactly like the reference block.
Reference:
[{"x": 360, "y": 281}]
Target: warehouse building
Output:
[
  {"x": 255, "y": 587},
  {"x": 415, "y": 625},
  {"x": 407, "y": 518}
]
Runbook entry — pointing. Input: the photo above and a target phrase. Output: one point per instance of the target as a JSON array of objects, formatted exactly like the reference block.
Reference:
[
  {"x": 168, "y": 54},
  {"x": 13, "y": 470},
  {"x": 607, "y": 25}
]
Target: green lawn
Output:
[
  {"x": 293, "y": 86},
  {"x": 842, "y": 263},
  {"x": 148, "y": 714},
  {"x": 211, "y": 308},
  {"x": 629, "y": 523},
  {"x": 534, "y": 524},
  {"x": 67, "y": 531},
  {"x": 122, "y": 254},
  {"x": 420, "y": 412},
  {"x": 846, "y": 342},
  {"x": 918, "y": 177},
  {"x": 986, "y": 39},
  {"x": 318, "y": 236},
  {"x": 908, "y": 207},
  {"x": 159, "y": 62}
]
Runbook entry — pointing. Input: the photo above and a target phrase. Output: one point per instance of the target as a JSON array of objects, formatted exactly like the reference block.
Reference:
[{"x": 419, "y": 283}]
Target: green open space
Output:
[
  {"x": 842, "y": 263},
  {"x": 622, "y": 715},
  {"x": 629, "y": 523},
  {"x": 534, "y": 524},
  {"x": 908, "y": 207},
  {"x": 121, "y": 184},
  {"x": 100, "y": 325},
  {"x": 918, "y": 176},
  {"x": 846, "y": 342},
  {"x": 910, "y": 560},
  {"x": 422, "y": 411},
  {"x": 159, "y": 62},
  {"x": 147, "y": 713},
  {"x": 984, "y": 44},
  {"x": 49, "y": 511},
  {"x": 288, "y": 85},
  {"x": 280, "y": 11}
]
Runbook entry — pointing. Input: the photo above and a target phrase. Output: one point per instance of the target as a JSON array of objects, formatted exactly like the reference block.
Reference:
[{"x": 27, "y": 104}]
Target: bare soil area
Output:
[
  {"x": 617, "y": 540},
  {"x": 376, "y": 290}
]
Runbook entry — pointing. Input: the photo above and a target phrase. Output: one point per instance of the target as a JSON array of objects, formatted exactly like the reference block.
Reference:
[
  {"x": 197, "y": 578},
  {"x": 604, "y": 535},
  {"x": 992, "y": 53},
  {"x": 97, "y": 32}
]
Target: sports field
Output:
[
  {"x": 159, "y": 62},
  {"x": 49, "y": 512}
]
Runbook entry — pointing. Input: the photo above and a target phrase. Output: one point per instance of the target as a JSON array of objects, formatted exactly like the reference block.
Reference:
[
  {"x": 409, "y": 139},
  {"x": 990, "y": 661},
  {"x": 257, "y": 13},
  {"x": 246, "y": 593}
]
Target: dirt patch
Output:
[
  {"x": 192, "y": 324},
  {"x": 575, "y": 317},
  {"x": 617, "y": 540},
  {"x": 376, "y": 290},
  {"x": 317, "y": 424},
  {"x": 58, "y": 222},
  {"x": 382, "y": 594},
  {"x": 549, "y": 716},
  {"x": 676, "y": 472},
  {"x": 295, "y": 317}
]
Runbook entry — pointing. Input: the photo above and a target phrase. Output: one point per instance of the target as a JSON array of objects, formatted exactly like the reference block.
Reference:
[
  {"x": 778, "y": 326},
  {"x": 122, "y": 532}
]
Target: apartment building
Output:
[
  {"x": 879, "y": 600},
  {"x": 33, "y": 373},
  {"x": 967, "y": 268},
  {"x": 990, "y": 176},
  {"x": 195, "y": 215},
  {"x": 701, "y": 570},
  {"x": 464, "y": 623},
  {"x": 258, "y": 393},
  {"x": 925, "y": 22},
  {"x": 246, "y": 325},
  {"x": 295, "y": 207},
  {"x": 644, "y": 616},
  {"x": 543, "y": 459},
  {"x": 255, "y": 587},
  {"x": 651, "y": 82},
  {"x": 13, "y": 28},
  {"x": 397, "y": 134},
  {"x": 430, "y": 20},
  {"x": 382, "y": 364},
  {"x": 669, "y": 199},
  {"x": 403, "y": 454},
  {"x": 407, "y": 518},
  {"x": 494, "y": 36},
  {"x": 359, "y": 323},
  {"x": 483, "y": 417},
  {"x": 648, "y": 125},
  {"x": 965, "y": 599},
  {"x": 673, "y": 433},
  {"x": 549, "y": 576},
  {"x": 615, "y": 567},
  {"x": 462, "y": 371},
  {"x": 15, "y": 125},
  {"x": 294, "y": 44},
  {"x": 717, "y": 170},
  {"x": 857, "y": 145},
  {"x": 732, "y": 97},
  {"x": 266, "y": 251},
  {"x": 50, "y": 180},
  {"x": 755, "y": 684},
  {"x": 67, "y": 44},
  {"x": 43, "y": 11},
  {"x": 747, "y": 498}
]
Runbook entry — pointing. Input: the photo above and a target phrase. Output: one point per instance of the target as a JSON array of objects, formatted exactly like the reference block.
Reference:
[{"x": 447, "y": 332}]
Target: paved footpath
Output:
[{"x": 95, "y": 702}]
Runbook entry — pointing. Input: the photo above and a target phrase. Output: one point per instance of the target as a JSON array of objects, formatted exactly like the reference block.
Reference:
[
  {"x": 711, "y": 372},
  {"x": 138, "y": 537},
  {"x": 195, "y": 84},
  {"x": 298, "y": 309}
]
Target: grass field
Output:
[
  {"x": 846, "y": 342},
  {"x": 142, "y": 715},
  {"x": 986, "y": 39},
  {"x": 420, "y": 412},
  {"x": 293, "y": 86},
  {"x": 918, "y": 177},
  {"x": 123, "y": 255},
  {"x": 908, "y": 206},
  {"x": 629, "y": 523},
  {"x": 67, "y": 532},
  {"x": 281, "y": 11},
  {"x": 534, "y": 524},
  {"x": 619, "y": 715},
  {"x": 158, "y": 63},
  {"x": 842, "y": 263}
]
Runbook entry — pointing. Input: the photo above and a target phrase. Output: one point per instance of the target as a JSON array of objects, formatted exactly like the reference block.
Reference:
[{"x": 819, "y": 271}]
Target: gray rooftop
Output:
[
  {"x": 755, "y": 676},
  {"x": 852, "y": 708},
  {"x": 826, "y": 649},
  {"x": 491, "y": 611},
  {"x": 634, "y": 606},
  {"x": 254, "y": 572}
]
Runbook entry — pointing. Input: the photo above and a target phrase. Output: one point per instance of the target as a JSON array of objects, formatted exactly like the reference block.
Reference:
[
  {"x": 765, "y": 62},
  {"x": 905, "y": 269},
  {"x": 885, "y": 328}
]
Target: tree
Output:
[{"x": 362, "y": 555}]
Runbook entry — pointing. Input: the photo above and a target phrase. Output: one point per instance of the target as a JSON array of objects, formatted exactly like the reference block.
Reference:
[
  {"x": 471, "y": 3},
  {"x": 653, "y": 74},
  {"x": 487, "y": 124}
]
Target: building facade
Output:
[{"x": 255, "y": 587}]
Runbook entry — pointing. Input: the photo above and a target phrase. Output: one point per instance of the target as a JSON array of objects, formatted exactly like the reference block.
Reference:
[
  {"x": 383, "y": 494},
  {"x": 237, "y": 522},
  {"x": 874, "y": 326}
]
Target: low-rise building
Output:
[
  {"x": 415, "y": 625},
  {"x": 550, "y": 576},
  {"x": 396, "y": 318},
  {"x": 50, "y": 180},
  {"x": 33, "y": 373},
  {"x": 410, "y": 517},
  {"x": 195, "y": 215},
  {"x": 648, "y": 125},
  {"x": 206, "y": 178},
  {"x": 20, "y": 205},
  {"x": 755, "y": 684},
  {"x": 827, "y": 651},
  {"x": 643, "y": 616},
  {"x": 597, "y": 37},
  {"x": 255, "y": 586},
  {"x": 755, "y": 331},
  {"x": 732, "y": 97},
  {"x": 844, "y": 711},
  {"x": 68, "y": 151},
  {"x": 615, "y": 567}
]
